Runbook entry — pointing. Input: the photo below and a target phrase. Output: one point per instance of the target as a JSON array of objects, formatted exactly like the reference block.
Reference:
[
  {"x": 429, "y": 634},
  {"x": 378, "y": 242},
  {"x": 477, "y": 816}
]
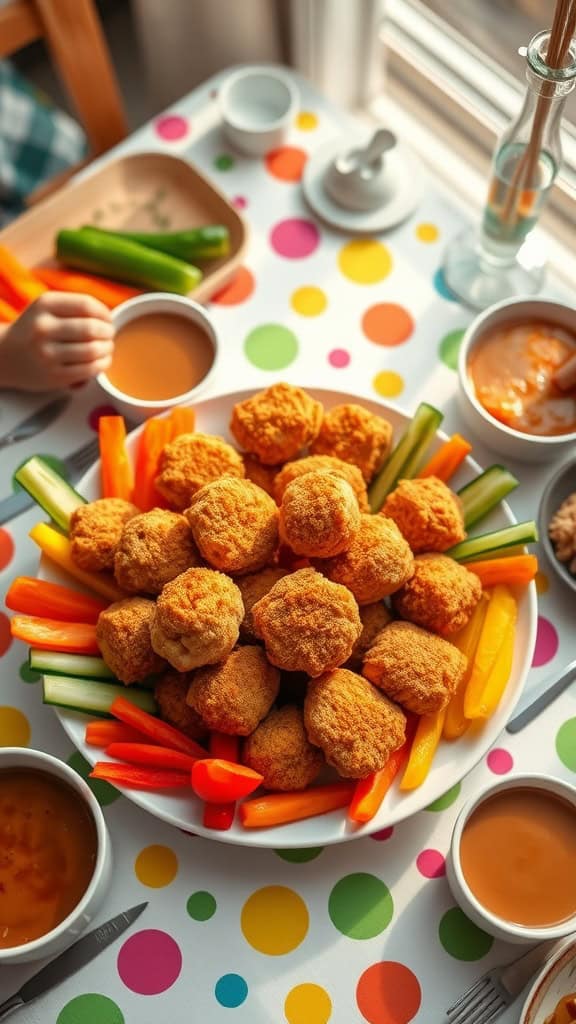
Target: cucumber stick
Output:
[
  {"x": 489, "y": 543},
  {"x": 481, "y": 495},
  {"x": 91, "y": 695},
  {"x": 57, "y": 663},
  {"x": 101, "y": 253},
  {"x": 407, "y": 455},
  {"x": 49, "y": 490},
  {"x": 207, "y": 243}
]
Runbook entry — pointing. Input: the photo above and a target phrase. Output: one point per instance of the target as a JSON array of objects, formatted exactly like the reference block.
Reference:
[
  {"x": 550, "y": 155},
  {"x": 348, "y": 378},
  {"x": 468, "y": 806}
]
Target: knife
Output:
[
  {"x": 71, "y": 960},
  {"x": 531, "y": 706},
  {"x": 38, "y": 421}
]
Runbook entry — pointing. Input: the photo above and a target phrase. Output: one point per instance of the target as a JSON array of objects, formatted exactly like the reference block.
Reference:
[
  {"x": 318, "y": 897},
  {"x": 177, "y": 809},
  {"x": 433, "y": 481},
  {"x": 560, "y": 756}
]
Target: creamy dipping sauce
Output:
[
  {"x": 159, "y": 356},
  {"x": 48, "y": 848},
  {"x": 511, "y": 368},
  {"x": 518, "y": 856}
]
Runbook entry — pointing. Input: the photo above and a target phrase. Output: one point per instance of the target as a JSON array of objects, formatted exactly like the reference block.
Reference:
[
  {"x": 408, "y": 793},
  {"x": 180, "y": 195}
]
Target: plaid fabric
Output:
[{"x": 37, "y": 141}]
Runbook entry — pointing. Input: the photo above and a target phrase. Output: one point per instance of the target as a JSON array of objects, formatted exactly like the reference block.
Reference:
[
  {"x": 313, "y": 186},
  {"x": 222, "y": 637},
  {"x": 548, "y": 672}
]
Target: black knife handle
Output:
[{"x": 14, "y": 1003}]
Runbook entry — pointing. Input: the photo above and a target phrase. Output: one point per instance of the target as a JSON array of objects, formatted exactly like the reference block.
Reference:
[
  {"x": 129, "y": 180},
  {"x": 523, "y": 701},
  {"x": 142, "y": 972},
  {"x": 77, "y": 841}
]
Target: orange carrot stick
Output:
[
  {"x": 7, "y": 312},
  {"x": 19, "y": 285},
  {"x": 444, "y": 463},
  {"x": 51, "y": 635},
  {"x": 515, "y": 569},
  {"x": 31, "y": 596},
  {"x": 157, "y": 432},
  {"x": 115, "y": 466},
  {"x": 102, "y": 733},
  {"x": 111, "y": 293},
  {"x": 182, "y": 420},
  {"x": 370, "y": 792},
  {"x": 281, "y": 808}
]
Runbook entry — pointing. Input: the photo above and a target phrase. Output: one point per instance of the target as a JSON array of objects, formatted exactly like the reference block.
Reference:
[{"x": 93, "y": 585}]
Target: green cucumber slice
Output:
[
  {"x": 481, "y": 495},
  {"x": 487, "y": 543},
  {"x": 92, "y": 696},
  {"x": 407, "y": 455},
  {"x": 49, "y": 490},
  {"x": 57, "y": 663}
]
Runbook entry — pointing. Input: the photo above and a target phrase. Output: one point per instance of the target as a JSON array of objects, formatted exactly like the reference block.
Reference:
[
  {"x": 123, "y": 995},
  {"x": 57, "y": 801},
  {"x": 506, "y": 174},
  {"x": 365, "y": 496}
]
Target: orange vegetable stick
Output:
[
  {"x": 52, "y": 635},
  {"x": 31, "y": 596},
  {"x": 370, "y": 792},
  {"x": 281, "y": 808},
  {"x": 102, "y": 733},
  {"x": 154, "y": 729},
  {"x": 7, "y": 312},
  {"x": 182, "y": 420},
  {"x": 56, "y": 547},
  {"x": 150, "y": 755},
  {"x": 423, "y": 748},
  {"x": 444, "y": 463},
  {"x": 18, "y": 283},
  {"x": 115, "y": 466},
  {"x": 155, "y": 435},
  {"x": 111, "y": 293},
  {"x": 134, "y": 777},
  {"x": 514, "y": 569}
]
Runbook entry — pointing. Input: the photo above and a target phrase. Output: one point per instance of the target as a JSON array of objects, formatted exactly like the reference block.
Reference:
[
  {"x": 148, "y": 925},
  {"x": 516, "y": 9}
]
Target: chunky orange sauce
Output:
[
  {"x": 512, "y": 368},
  {"x": 159, "y": 356},
  {"x": 48, "y": 848},
  {"x": 518, "y": 856}
]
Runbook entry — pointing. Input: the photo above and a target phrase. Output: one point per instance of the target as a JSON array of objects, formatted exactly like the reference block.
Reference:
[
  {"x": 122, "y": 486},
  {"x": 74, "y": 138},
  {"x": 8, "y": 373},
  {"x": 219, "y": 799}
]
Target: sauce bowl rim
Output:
[{"x": 246, "y": 73}]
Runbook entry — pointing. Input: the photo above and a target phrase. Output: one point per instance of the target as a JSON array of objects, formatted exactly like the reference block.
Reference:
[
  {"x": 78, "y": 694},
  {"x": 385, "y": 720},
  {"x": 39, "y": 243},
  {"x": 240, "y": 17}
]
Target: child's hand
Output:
[{"x": 59, "y": 341}]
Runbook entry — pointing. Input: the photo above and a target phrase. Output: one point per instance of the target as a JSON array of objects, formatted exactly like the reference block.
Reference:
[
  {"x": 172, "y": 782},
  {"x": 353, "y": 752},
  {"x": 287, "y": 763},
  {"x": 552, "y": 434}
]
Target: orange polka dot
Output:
[
  {"x": 387, "y": 324},
  {"x": 6, "y": 548},
  {"x": 5, "y": 635},
  {"x": 237, "y": 290},
  {"x": 388, "y": 993},
  {"x": 286, "y": 163}
]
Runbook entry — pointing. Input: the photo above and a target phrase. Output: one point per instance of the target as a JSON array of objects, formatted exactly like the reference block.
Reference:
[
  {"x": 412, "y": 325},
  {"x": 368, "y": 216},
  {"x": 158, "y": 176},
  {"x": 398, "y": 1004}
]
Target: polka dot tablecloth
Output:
[{"x": 367, "y": 931}]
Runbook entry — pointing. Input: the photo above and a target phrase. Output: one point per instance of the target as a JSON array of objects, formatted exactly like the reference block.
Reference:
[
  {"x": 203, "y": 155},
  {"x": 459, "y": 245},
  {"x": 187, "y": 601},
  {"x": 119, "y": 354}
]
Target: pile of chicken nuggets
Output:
[{"x": 267, "y": 602}]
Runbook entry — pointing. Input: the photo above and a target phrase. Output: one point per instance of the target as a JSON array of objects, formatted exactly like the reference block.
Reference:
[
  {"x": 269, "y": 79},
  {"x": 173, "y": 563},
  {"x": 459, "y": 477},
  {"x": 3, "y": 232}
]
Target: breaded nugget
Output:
[
  {"x": 154, "y": 547},
  {"x": 373, "y": 618},
  {"x": 376, "y": 564},
  {"x": 319, "y": 515},
  {"x": 192, "y": 460},
  {"x": 123, "y": 635},
  {"x": 252, "y": 588},
  {"x": 440, "y": 596},
  {"x": 356, "y": 727},
  {"x": 235, "y": 525},
  {"x": 170, "y": 693},
  {"x": 427, "y": 513},
  {"x": 355, "y": 435},
  {"x": 276, "y": 424},
  {"x": 281, "y": 752},
  {"x": 414, "y": 667},
  {"x": 307, "y": 623},
  {"x": 234, "y": 696},
  {"x": 262, "y": 476},
  {"x": 95, "y": 530},
  {"x": 197, "y": 619},
  {"x": 324, "y": 464}
]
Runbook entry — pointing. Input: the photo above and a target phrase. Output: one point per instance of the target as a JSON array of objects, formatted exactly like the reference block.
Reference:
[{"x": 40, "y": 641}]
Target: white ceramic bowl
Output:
[
  {"x": 137, "y": 409},
  {"x": 496, "y": 926},
  {"x": 556, "y": 979},
  {"x": 496, "y": 435},
  {"x": 560, "y": 486},
  {"x": 258, "y": 105},
  {"x": 71, "y": 927}
]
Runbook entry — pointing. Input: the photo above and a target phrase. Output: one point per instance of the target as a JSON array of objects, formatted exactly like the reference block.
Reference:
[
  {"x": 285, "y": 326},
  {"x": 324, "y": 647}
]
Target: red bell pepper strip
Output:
[
  {"x": 53, "y": 635},
  {"x": 155, "y": 729},
  {"x": 149, "y": 755},
  {"x": 221, "y": 816},
  {"x": 139, "y": 778},
  {"x": 115, "y": 466},
  {"x": 102, "y": 733},
  {"x": 370, "y": 792},
  {"x": 221, "y": 782},
  {"x": 31, "y": 596}
]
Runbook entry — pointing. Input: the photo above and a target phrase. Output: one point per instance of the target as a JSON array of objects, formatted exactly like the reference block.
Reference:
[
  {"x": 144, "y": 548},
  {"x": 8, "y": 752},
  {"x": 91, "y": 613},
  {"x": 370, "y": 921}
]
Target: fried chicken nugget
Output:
[
  {"x": 123, "y": 633},
  {"x": 192, "y": 460},
  {"x": 234, "y": 696},
  {"x": 324, "y": 464},
  {"x": 376, "y": 564},
  {"x": 281, "y": 752},
  {"x": 427, "y": 513},
  {"x": 197, "y": 619},
  {"x": 373, "y": 618},
  {"x": 170, "y": 694},
  {"x": 355, "y": 726},
  {"x": 252, "y": 588},
  {"x": 355, "y": 435},
  {"x": 307, "y": 623},
  {"x": 440, "y": 596},
  {"x": 416, "y": 668},
  {"x": 276, "y": 424},
  {"x": 95, "y": 530},
  {"x": 235, "y": 525},
  {"x": 154, "y": 547},
  {"x": 319, "y": 515},
  {"x": 262, "y": 476}
]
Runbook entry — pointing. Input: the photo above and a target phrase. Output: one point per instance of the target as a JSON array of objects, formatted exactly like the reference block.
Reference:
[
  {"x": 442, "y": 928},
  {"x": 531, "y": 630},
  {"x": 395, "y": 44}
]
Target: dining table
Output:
[{"x": 366, "y": 930}]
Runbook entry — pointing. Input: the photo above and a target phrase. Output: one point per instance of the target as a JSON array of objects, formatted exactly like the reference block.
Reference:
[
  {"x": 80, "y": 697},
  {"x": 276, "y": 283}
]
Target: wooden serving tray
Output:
[{"x": 138, "y": 192}]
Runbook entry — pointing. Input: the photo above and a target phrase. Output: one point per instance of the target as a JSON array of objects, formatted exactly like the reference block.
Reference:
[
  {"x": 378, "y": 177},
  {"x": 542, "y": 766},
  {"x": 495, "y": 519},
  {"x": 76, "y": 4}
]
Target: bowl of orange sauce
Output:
[
  {"x": 512, "y": 856},
  {"x": 55, "y": 863},
  {"x": 165, "y": 354},
  {"x": 507, "y": 362}
]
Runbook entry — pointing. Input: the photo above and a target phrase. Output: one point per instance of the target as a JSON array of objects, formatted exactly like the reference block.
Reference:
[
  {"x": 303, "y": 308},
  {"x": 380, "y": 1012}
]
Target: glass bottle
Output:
[{"x": 500, "y": 259}]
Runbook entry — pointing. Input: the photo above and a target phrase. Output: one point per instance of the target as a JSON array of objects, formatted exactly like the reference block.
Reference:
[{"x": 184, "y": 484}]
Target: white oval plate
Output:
[
  {"x": 557, "y": 979},
  {"x": 453, "y": 760}
]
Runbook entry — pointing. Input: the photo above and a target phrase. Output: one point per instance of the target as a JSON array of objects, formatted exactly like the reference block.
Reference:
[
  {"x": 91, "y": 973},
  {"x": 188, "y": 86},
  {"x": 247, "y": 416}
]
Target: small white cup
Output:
[
  {"x": 71, "y": 927},
  {"x": 258, "y": 105}
]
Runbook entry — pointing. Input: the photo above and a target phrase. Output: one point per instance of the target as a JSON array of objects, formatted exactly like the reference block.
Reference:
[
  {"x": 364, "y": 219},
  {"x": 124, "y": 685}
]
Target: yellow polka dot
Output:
[
  {"x": 308, "y": 1004},
  {"x": 274, "y": 920},
  {"x": 306, "y": 121},
  {"x": 156, "y": 866},
  {"x": 388, "y": 384},
  {"x": 308, "y": 301},
  {"x": 427, "y": 232},
  {"x": 14, "y": 728},
  {"x": 365, "y": 261},
  {"x": 542, "y": 583}
]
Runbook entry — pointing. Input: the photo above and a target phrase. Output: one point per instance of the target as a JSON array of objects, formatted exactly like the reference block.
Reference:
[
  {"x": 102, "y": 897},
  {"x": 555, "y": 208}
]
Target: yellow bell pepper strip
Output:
[
  {"x": 56, "y": 547},
  {"x": 466, "y": 640},
  {"x": 501, "y": 614},
  {"x": 498, "y": 679},
  {"x": 424, "y": 746},
  {"x": 115, "y": 466}
]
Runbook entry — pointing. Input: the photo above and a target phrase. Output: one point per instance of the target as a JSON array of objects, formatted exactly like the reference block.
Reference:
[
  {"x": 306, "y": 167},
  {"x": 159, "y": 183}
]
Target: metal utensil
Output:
[
  {"x": 532, "y": 706},
  {"x": 76, "y": 465},
  {"x": 38, "y": 421},
  {"x": 71, "y": 960}
]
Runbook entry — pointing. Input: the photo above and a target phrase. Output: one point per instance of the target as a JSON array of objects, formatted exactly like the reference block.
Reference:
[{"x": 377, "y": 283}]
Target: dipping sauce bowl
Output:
[{"x": 258, "y": 106}]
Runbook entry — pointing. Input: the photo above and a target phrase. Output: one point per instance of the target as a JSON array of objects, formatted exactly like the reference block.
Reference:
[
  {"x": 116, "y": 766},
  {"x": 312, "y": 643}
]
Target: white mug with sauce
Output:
[{"x": 166, "y": 353}]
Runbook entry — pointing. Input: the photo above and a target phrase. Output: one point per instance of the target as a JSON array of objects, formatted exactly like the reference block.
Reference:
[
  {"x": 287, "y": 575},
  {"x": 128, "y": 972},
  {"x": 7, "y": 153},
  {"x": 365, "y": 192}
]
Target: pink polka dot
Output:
[
  {"x": 295, "y": 238},
  {"x": 101, "y": 410},
  {"x": 383, "y": 834},
  {"x": 546, "y": 643},
  {"x": 339, "y": 358},
  {"x": 431, "y": 864},
  {"x": 171, "y": 127},
  {"x": 240, "y": 202},
  {"x": 149, "y": 962},
  {"x": 500, "y": 761}
]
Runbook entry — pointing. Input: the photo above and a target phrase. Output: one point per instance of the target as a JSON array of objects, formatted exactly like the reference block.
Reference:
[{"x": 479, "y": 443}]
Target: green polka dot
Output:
[
  {"x": 461, "y": 938},
  {"x": 271, "y": 347},
  {"x": 360, "y": 906},
  {"x": 90, "y": 1009},
  {"x": 300, "y": 856},
  {"x": 447, "y": 800},
  {"x": 450, "y": 347},
  {"x": 56, "y": 464},
  {"x": 224, "y": 162},
  {"x": 566, "y": 744},
  {"x": 103, "y": 791},
  {"x": 201, "y": 906},
  {"x": 27, "y": 674}
]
